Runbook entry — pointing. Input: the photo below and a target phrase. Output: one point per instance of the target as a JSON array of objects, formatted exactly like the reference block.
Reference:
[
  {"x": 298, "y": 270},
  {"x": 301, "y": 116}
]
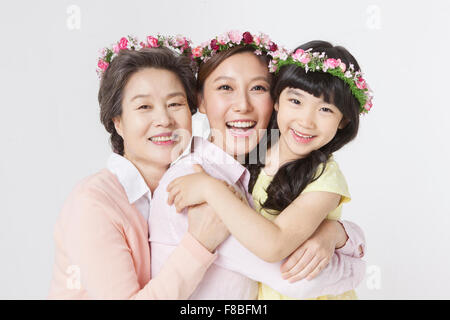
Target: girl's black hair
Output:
[{"x": 292, "y": 178}]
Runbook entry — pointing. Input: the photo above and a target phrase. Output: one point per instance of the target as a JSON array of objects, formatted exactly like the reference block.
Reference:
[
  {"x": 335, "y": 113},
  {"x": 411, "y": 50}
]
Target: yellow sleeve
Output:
[{"x": 331, "y": 180}]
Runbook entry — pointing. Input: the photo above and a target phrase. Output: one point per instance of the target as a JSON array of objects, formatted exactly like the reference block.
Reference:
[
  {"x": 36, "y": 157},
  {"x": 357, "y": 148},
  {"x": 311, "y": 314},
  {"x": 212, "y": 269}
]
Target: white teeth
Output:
[
  {"x": 163, "y": 138},
  {"x": 241, "y": 124},
  {"x": 301, "y": 135}
]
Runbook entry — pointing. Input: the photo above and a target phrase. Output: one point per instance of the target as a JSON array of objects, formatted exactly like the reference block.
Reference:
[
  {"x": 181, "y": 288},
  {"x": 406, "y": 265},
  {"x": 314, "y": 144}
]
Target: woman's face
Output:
[
  {"x": 236, "y": 99},
  {"x": 155, "y": 123}
]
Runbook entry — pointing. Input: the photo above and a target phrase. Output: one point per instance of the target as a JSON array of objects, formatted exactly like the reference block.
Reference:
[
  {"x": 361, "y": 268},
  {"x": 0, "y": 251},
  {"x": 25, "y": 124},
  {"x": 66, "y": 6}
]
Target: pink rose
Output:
[
  {"x": 180, "y": 41},
  {"x": 152, "y": 42},
  {"x": 361, "y": 83},
  {"x": 305, "y": 59},
  {"x": 123, "y": 43},
  {"x": 297, "y": 54},
  {"x": 116, "y": 48},
  {"x": 235, "y": 36},
  {"x": 265, "y": 39},
  {"x": 257, "y": 40},
  {"x": 248, "y": 38},
  {"x": 343, "y": 67},
  {"x": 103, "y": 65},
  {"x": 142, "y": 44},
  {"x": 197, "y": 52},
  {"x": 223, "y": 39},
  {"x": 332, "y": 63},
  {"x": 368, "y": 105}
]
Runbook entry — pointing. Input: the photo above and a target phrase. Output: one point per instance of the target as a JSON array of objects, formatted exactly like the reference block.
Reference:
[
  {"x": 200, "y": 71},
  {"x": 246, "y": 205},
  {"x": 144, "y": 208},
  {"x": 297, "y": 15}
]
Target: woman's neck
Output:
[{"x": 149, "y": 172}]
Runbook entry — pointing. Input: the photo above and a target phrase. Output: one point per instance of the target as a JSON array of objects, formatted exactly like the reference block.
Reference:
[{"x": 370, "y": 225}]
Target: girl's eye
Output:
[
  {"x": 225, "y": 87},
  {"x": 259, "y": 88},
  {"x": 325, "y": 109},
  {"x": 295, "y": 101},
  {"x": 144, "y": 107}
]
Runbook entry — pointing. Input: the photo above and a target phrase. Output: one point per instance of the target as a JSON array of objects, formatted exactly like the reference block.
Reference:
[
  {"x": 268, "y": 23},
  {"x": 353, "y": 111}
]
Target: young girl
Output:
[{"x": 319, "y": 94}]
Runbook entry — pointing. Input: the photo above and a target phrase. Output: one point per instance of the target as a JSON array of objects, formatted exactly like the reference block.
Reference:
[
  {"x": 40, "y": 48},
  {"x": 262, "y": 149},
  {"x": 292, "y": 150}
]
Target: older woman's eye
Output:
[
  {"x": 144, "y": 107},
  {"x": 175, "y": 104}
]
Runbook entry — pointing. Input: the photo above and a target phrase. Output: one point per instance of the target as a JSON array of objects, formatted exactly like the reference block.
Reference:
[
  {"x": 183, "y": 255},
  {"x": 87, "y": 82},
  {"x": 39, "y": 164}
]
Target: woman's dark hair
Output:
[
  {"x": 292, "y": 178},
  {"x": 122, "y": 67}
]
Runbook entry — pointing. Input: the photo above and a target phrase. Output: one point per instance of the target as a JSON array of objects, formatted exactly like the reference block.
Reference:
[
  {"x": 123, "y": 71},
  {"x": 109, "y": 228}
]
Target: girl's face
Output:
[
  {"x": 236, "y": 99},
  {"x": 306, "y": 123},
  {"x": 155, "y": 123}
]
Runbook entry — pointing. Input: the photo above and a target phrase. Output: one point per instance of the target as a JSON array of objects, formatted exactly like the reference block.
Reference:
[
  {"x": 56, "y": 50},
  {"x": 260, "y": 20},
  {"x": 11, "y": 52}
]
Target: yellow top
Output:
[{"x": 331, "y": 180}]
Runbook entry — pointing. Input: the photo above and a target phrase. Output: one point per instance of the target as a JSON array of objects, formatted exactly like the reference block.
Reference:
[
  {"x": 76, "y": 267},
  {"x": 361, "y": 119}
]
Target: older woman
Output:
[{"x": 146, "y": 99}]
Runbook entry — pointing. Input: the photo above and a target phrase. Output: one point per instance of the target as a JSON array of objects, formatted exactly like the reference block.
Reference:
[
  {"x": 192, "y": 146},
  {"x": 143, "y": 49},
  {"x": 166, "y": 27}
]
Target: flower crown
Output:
[
  {"x": 260, "y": 42},
  {"x": 316, "y": 61},
  {"x": 179, "y": 44}
]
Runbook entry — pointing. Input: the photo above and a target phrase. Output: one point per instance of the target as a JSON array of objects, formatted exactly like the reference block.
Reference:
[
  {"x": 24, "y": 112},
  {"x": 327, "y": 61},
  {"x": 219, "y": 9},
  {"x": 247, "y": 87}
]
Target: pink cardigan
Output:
[{"x": 98, "y": 226}]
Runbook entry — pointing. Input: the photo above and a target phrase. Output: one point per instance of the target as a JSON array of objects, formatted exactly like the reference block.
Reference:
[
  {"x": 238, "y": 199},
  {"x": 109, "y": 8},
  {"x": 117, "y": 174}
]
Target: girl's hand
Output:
[
  {"x": 188, "y": 190},
  {"x": 313, "y": 255}
]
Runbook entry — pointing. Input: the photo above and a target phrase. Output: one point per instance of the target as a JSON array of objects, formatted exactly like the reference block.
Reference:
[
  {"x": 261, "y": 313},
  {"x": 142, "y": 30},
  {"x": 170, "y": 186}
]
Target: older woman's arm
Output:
[{"x": 93, "y": 235}]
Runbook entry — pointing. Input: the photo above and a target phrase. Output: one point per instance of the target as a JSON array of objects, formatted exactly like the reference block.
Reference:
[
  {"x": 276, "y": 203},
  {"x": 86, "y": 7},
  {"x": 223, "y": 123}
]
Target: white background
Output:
[{"x": 397, "y": 168}]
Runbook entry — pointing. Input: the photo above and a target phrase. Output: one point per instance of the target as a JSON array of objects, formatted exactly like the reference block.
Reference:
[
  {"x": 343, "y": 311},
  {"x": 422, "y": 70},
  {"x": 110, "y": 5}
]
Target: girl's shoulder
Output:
[{"x": 329, "y": 179}]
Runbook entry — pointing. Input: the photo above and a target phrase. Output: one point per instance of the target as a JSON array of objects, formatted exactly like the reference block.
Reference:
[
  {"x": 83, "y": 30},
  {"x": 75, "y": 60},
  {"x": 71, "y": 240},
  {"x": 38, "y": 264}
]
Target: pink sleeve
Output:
[
  {"x": 97, "y": 245},
  {"x": 342, "y": 274},
  {"x": 181, "y": 273},
  {"x": 356, "y": 243}
]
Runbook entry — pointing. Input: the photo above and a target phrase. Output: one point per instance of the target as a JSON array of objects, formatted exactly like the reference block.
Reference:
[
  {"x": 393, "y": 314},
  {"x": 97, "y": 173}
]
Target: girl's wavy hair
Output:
[{"x": 292, "y": 178}]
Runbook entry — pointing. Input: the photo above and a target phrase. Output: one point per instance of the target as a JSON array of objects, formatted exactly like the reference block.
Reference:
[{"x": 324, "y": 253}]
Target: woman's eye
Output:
[
  {"x": 259, "y": 88},
  {"x": 144, "y": 107},
  {"x": 294, "y": 101},
  {"x": 325, "y": 109},
  {"x": 224, "y": 87},
  {"x": 175, "y": 104}
]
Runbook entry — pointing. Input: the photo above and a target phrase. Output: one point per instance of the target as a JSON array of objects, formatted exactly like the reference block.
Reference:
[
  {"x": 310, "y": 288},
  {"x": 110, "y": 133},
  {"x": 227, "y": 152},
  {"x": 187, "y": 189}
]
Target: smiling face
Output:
[
  {"x": 236, "y": 99},
  {"x": 306, "y": 123},
  {"x": 155, "y": 123}
]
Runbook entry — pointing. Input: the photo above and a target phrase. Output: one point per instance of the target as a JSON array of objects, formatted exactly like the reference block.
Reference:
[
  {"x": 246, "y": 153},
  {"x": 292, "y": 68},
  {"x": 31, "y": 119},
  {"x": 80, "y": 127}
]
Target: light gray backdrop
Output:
[{"x": 397, "y": 168}]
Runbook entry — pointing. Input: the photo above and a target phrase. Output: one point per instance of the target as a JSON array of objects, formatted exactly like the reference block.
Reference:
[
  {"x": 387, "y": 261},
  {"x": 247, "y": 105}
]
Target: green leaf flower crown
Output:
[{"x": 316, "y": 61}]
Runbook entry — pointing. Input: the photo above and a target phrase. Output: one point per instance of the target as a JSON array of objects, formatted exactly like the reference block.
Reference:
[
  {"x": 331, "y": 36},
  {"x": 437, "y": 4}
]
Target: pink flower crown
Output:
[
  {"x": 179, "y": 44},
  {"x": 260, "y": 42},
  {"x": 316, "y": 61}
]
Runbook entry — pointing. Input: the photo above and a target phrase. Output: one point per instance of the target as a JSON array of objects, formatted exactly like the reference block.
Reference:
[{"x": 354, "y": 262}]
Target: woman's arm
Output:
[
  {"x": 97, "y": 244},
  {"x": 270, "y": 240},
  {"x": 311, "y": 257}
]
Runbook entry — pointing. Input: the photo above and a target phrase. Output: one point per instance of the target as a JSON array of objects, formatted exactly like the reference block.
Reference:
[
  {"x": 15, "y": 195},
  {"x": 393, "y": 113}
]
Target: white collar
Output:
[{"x": 129, "y": 177}]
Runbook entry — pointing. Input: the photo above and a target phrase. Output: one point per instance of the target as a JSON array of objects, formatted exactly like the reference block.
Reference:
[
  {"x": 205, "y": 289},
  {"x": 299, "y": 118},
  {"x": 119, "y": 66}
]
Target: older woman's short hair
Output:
[{"x": 120, "y": 70}]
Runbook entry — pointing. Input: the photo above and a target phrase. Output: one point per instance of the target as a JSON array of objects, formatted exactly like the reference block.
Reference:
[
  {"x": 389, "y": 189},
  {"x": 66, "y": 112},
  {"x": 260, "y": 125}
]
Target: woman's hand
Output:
[
  {"x": 206, "y": 226},
  {"x": 314, "y": 254}
]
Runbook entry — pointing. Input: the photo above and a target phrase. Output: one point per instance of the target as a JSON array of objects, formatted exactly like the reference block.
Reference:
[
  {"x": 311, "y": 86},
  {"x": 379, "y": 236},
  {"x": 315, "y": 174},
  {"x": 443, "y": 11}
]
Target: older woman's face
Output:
[
  {"x": 155, "y": 123},
  {"x": 236, "y": 100}
]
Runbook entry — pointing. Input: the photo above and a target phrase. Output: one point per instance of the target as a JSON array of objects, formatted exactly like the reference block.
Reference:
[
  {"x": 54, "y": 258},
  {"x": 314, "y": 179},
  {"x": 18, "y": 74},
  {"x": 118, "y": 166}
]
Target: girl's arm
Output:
[{"x": 270, "y": 240}]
